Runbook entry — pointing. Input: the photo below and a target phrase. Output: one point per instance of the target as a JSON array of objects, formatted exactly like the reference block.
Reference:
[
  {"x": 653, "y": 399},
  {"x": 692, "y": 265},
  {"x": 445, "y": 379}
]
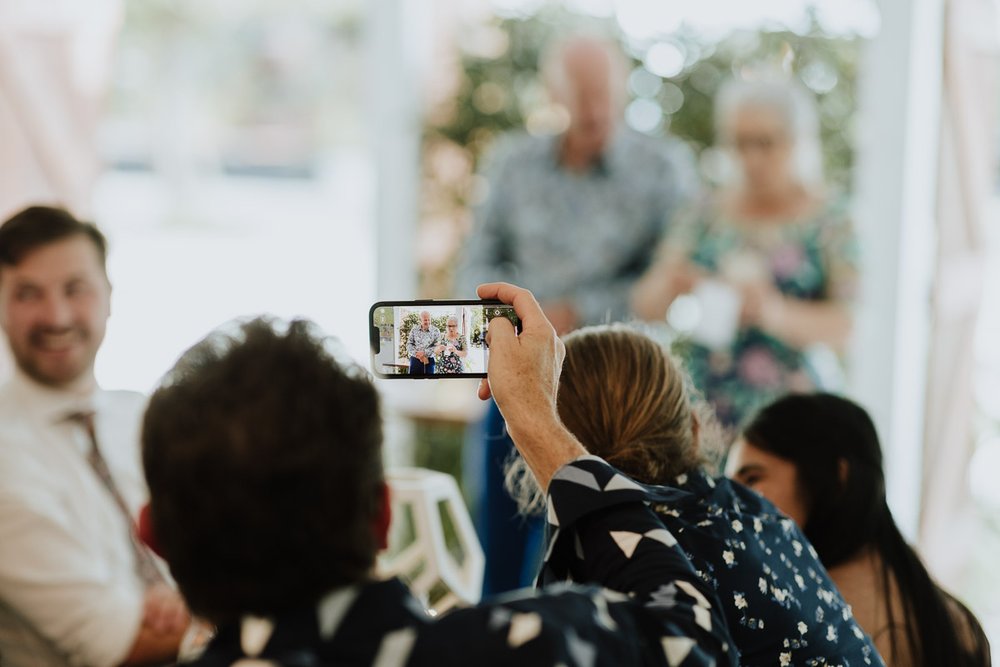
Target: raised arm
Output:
[{"x": 595, "y": 510}]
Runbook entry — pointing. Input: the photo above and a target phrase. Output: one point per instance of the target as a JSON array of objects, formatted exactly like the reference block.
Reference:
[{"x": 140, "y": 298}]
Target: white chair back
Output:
[{"x": 424, "y": 503}]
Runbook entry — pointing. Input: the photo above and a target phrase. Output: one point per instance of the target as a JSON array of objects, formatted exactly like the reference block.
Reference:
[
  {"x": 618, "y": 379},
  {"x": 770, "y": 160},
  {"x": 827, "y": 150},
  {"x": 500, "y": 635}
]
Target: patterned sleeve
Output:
[
  {"x": 686, "y": 230},
  {"x": 840, "y": 254},
  {"x": 601, "y": 532}
]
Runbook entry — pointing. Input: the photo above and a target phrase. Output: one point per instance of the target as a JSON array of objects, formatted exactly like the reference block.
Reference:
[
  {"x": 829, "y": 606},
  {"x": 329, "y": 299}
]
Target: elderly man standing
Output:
[
  {"x": 576, "y": 218},
  {"x": 76, "y": 585},
  {"x": 420, "y": 346}
]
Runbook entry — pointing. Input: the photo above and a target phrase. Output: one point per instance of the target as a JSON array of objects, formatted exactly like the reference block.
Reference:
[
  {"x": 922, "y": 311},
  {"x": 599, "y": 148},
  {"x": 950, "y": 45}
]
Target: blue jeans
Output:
[
  {"x": 418, "y": 367},
  {"x": 512, "y": 543}
]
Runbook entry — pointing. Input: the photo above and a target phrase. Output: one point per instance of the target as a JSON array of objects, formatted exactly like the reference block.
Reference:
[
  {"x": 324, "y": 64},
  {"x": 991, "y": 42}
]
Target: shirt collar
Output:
[
  {"x": 605, "y": 163},
  {"x": 50, "y": 404}
]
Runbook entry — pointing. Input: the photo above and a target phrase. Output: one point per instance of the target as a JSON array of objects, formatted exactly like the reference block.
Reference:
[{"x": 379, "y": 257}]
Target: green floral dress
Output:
[
  {"x": 813, "y": 258},
  {"x": 449, "y": 362}
]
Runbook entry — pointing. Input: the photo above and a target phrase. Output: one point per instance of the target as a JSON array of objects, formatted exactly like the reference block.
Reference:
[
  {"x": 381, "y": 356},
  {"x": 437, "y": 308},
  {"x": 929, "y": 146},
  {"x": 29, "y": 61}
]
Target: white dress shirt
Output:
[{"x": 67, "y": 566}]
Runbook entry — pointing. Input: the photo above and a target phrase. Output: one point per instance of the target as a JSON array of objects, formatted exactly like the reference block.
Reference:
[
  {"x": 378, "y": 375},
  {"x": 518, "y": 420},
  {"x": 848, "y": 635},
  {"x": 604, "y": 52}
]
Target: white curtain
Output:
[
  {"x": 55, "y": 62},
  {"x": 967, "y": 170}
]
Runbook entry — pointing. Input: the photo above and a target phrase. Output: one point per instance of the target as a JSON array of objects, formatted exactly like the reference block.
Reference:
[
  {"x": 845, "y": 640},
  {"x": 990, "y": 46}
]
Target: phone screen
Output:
[{"x": 433, "y": 339}]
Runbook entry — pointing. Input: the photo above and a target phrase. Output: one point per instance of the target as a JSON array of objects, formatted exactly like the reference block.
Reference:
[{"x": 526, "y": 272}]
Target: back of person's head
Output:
[
  {"x": 627, "y": 401},
  {"x": 834, "y": 446},
  {"x": 794, "y": 108},
  {"x": 38, "y": 226},
  {"x": 624, "y": 398},
  {"x": 262, "y": 452}
]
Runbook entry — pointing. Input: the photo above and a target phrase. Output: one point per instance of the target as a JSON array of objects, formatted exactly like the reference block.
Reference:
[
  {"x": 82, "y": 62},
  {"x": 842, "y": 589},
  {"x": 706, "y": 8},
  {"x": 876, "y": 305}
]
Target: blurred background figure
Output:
[
  {"x": 818, "y": 458},
  {"x": 576, "y": 217},
  {"x": 576, "y": 214},
  {"x": 770, "y": 257},
  {"x": 451, "y": 349}
]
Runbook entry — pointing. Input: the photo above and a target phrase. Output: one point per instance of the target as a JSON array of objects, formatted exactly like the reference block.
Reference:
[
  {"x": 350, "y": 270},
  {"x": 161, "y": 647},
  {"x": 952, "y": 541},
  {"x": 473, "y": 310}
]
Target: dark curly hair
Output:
[
  {"x": 38, "y": 226},
  {"x": 263, "y": 456}
]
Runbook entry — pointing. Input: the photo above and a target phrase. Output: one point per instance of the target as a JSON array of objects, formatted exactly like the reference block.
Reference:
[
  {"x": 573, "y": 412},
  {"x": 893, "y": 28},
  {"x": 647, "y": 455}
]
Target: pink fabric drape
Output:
[
  {"x": 55, "y": 62},
  {"x": 967, "y": 167}
]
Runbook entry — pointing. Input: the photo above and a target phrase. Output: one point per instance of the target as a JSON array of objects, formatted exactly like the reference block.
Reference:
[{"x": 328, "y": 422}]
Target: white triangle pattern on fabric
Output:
[
  {"x": 676, "y": 649},
  {"x": 578, "y": 476},
  {"x": 552, "y": 518},
  {"x": 626, "y": 540},
  {"x": 621, "y": 483},
  {"x": 663, "y": 536},
  {"x": 395, "y": 648},
  {"x": 523, "y": 628},
  {"x": 703, "y": 617},
  {"x": 700, "y": 599},
  {"x": 332, "y": 609},
  {"x": 255, "y": 632}
]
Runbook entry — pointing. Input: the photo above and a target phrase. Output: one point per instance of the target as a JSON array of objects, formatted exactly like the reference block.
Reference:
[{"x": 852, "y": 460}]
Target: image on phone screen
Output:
[{"x": 433, "y": 339}]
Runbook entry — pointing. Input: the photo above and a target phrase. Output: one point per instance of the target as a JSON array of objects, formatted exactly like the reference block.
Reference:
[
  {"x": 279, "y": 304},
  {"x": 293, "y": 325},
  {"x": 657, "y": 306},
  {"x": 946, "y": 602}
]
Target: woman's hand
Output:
[{"x": 661, "y": 284}]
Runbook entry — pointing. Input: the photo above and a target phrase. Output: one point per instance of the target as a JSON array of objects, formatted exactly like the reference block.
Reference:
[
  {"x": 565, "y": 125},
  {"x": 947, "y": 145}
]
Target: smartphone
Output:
[{"x": 433, "y": 339}]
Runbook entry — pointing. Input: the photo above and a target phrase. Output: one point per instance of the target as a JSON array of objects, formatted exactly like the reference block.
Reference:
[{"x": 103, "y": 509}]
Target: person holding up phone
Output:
[
  {"x": 278, "y": 548},
  {"x": 451, "y": 350},
  {"x": 420, "y": 346}
]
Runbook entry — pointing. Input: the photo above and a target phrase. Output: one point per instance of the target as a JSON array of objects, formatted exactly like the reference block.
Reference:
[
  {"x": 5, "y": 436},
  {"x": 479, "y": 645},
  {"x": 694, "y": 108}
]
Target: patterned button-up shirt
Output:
[
  {"x": 421, "y": 340},
  {"x": 652, "y": 610},
  {"x": 577, "y": 237},
  {"x": 781, "y": 606}
]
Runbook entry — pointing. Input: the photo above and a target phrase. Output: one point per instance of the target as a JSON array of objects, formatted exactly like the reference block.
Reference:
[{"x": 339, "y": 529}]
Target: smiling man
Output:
[{"x": 76, "y": 585}]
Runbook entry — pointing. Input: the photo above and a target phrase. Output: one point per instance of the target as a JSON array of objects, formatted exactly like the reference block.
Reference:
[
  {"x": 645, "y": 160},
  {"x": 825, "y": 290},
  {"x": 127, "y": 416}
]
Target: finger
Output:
[
  {"x": 524, "y": 303},
  {"x": 501, "y": 331},
  {"x": 484, "y": 389}
]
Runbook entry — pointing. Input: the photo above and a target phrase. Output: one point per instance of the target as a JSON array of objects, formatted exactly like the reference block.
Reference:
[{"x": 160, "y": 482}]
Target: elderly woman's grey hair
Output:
[{"x": 796, "y": 108}]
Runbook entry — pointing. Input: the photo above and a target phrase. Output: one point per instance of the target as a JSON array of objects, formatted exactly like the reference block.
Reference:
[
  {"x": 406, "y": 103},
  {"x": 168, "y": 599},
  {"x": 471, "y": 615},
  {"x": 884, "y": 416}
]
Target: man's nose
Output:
[{"x": 56, "y": 312}]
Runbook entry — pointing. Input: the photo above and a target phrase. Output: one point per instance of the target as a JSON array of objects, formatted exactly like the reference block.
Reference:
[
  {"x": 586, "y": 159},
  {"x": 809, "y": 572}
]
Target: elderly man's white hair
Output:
[
  {"x": 552, "y": 63},
  {"x": 793, "y": 105}
]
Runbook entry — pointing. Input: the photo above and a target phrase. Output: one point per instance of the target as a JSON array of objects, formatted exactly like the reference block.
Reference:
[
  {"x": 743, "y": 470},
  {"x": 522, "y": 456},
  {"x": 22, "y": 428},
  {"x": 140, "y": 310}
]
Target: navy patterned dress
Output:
[{"x": 781, "y": 606}]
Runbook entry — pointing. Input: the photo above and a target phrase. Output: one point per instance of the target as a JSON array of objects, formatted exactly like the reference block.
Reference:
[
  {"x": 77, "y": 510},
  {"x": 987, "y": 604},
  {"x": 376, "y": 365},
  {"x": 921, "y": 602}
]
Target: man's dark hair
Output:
[
  {"x": 263, "y": 456},
  {"x": 38, "y": 226}
]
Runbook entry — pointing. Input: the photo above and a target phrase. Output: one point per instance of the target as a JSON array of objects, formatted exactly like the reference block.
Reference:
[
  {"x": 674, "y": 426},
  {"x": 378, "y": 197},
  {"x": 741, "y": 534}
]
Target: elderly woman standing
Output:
[
  {"x": 451, "y": 349},
  {"x": 776, "y": 240}
]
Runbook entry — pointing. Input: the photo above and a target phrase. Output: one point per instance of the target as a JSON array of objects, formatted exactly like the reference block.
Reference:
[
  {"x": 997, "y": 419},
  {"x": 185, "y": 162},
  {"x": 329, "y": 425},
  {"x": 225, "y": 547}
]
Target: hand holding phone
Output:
[{"x": 524, "y": 380}]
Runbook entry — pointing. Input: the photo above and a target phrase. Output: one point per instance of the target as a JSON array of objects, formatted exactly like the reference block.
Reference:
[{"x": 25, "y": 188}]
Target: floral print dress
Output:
[
  {"x": 812, "y": 258},
  {"x": 450, "y": 362}
]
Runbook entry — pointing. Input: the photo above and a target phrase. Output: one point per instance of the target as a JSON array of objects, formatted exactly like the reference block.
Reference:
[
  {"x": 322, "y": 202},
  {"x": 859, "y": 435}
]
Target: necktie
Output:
[{"x": 146, "y": 566}]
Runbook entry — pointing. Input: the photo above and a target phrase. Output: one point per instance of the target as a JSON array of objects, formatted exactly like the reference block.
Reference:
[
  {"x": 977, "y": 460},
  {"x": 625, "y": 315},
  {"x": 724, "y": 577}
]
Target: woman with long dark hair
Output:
[{"x": 817, "y": 457}]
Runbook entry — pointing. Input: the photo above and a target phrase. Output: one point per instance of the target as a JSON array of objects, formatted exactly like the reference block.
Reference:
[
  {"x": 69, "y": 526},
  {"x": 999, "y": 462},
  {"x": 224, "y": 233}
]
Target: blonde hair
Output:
[{"x": 625, "y": 398}]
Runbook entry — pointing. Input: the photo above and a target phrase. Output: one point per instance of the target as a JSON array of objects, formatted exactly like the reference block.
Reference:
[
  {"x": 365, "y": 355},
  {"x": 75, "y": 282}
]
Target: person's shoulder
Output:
[
  {"x": 667, "y": 148},
  {"x": 125, "y": 400},
  {"x": 517, "y": 146},
  {"x": 8, "y": 409}
]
